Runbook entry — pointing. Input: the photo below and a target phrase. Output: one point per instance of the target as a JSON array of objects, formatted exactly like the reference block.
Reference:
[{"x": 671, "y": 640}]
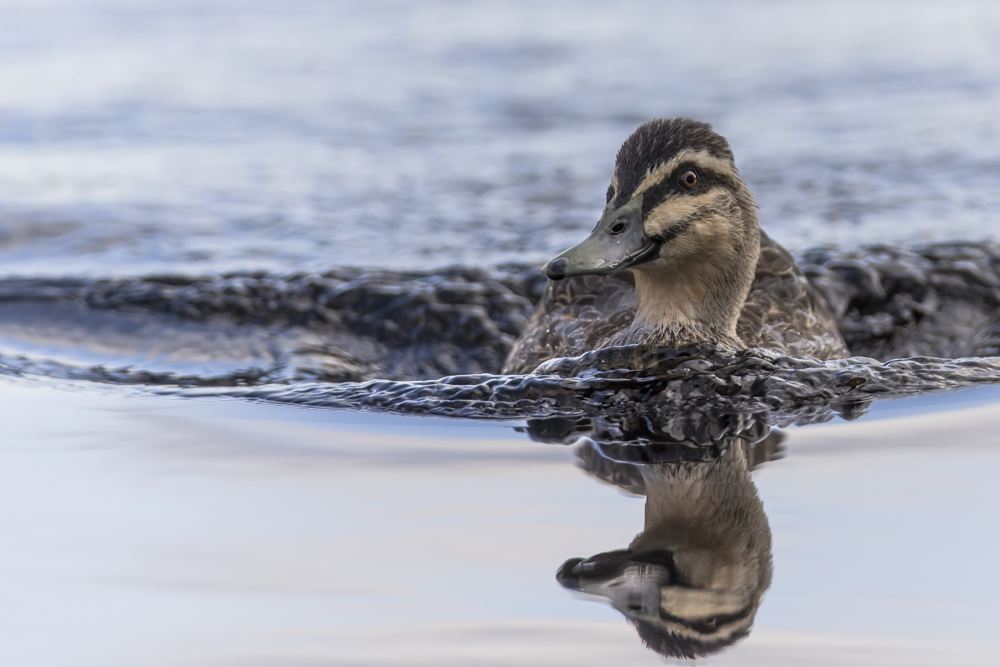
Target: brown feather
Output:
[{"x": 783, "y": 313}]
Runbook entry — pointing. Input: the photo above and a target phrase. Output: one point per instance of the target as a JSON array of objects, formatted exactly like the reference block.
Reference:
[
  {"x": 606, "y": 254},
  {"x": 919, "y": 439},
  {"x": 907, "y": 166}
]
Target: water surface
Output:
[
  {"x": 141, "y": 137},
  {"x": 247, "y": 249},
  {"x": 204, "y": 533}
]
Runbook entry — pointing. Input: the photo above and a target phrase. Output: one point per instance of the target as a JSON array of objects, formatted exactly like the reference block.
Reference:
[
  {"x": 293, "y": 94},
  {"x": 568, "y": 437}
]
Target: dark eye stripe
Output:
[
  {"x": 655, "y": 195},
  {"x": 670, "y": 184}
]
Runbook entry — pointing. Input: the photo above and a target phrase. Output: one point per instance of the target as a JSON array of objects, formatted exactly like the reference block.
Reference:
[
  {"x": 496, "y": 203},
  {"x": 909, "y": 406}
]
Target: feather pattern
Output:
[{"x": 783, "y": 313}]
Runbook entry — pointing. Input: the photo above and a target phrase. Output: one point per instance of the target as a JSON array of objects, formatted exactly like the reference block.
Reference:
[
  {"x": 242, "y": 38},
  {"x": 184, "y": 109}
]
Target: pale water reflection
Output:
[{"x": 155, "y": 531}]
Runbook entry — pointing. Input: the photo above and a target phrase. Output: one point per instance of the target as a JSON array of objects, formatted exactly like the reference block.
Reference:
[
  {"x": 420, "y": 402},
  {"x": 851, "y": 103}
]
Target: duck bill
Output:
[{"x": 617, "y": 243}]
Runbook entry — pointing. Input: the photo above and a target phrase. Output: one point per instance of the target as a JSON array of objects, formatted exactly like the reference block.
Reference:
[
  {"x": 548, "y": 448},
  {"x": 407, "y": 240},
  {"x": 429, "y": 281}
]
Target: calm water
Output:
[
  {"x": 159, "y": 532},
  {"x": 214, "y": 213},
  {"x": 141, "y": 137}
]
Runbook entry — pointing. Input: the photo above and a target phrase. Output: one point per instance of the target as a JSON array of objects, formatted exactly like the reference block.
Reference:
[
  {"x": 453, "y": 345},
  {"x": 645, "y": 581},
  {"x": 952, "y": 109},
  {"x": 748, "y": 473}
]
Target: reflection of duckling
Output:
[
  {"x": 691, "y": 582},
  {"x": 680, "y": 216}
]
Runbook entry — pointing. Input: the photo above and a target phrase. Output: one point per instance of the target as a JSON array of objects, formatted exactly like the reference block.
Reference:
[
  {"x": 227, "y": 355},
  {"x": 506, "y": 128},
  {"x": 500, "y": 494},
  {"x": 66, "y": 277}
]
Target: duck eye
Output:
[
  {"x": 618, "y": 227},
  {"x": 689, "y": 179}
]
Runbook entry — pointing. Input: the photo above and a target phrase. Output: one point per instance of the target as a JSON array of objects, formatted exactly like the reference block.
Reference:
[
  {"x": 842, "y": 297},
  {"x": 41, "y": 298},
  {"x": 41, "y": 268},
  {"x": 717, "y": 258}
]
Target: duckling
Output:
[{"x": 677, "y": 259}]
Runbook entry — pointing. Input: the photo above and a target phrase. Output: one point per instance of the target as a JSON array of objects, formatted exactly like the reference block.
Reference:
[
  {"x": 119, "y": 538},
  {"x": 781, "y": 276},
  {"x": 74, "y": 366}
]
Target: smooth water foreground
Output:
[
  {"x": 150, "y": 531},
  {"x": 260, "y": 266}
]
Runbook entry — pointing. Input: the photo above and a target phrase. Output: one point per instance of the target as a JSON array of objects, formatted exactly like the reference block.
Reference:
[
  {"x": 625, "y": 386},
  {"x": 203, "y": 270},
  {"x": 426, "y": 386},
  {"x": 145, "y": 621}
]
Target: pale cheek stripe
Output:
[{"x": 684, "y": 211}]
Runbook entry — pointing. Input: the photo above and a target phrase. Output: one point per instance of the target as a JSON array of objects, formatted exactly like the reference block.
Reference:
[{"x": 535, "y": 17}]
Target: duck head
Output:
[{"x": 679, "y": 215}]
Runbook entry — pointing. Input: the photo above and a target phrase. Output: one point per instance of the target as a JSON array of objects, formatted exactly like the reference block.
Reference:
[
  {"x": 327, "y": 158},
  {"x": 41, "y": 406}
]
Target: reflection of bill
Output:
[{"x": 692, "y": 580}]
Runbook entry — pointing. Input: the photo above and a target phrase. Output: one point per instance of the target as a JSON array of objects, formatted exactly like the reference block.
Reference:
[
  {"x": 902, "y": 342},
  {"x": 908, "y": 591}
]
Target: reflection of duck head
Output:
[
  {"x": 679, "y": 214},
  {"x": 691, "y": 582}
]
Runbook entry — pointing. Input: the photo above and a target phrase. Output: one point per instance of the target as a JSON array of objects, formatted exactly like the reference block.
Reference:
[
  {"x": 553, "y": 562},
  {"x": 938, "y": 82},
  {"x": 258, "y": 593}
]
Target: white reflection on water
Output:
[
  {"x": 148, "y": 531},
  {"x": 151, "y": 136}
]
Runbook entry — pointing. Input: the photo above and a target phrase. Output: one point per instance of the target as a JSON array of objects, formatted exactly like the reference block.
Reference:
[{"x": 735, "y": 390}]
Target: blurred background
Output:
[{"x": 193, "y": 137}]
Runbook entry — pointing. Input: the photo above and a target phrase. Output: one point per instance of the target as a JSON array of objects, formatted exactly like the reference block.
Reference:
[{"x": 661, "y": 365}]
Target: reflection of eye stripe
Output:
[
  {"x": 674, "y": 638},
  {"x": 723, "y": 627},
  {"x": 709, "y": 625},
  {"x": 697, "y": 634}
]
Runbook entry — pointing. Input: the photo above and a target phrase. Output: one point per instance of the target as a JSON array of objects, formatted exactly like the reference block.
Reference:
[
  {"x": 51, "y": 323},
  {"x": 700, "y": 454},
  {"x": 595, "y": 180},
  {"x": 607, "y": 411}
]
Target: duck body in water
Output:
[{"x": 678, "y": 259}]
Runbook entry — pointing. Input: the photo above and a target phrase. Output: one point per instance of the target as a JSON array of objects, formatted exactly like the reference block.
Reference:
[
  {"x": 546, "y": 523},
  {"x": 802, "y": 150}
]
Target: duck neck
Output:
[{"x": 681, "y": 307}]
